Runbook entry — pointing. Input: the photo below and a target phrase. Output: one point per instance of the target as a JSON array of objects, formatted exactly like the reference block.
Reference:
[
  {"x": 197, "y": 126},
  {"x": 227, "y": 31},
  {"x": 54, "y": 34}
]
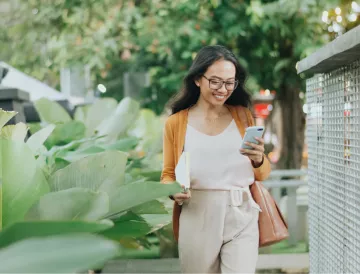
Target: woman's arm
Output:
[
  {"x": 261, "y": 171},
  {"x": 168, "y": 171}
]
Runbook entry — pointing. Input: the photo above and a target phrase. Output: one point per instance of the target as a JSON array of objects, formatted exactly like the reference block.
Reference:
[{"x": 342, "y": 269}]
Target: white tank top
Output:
[{"x": 216, "y": 162}]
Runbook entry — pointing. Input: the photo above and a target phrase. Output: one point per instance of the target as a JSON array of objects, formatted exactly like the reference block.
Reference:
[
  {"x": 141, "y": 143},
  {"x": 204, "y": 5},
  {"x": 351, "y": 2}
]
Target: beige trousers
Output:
[{"x": 219, "y": 232}]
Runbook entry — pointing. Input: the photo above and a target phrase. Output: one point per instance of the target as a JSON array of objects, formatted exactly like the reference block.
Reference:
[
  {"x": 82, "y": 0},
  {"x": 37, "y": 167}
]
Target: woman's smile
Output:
[{"x": 220, "y": 96}]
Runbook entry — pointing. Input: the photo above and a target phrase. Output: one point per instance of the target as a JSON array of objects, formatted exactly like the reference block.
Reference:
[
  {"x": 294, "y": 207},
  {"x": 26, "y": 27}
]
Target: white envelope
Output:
[{"x": 182, "y": 170}]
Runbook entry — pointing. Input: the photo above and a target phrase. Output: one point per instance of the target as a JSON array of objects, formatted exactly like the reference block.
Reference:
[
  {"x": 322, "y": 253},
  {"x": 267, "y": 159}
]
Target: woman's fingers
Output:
[
  {"x": 182, "y": 196},
  {"x": 250, "y": 152},
  {"x": 261, "y": 141},
  {"x": 259, "y": 147}
]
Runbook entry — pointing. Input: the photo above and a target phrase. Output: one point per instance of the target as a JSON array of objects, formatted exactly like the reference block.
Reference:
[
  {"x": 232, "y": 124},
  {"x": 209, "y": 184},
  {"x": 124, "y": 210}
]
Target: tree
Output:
[{"x": 162, "y": 37}]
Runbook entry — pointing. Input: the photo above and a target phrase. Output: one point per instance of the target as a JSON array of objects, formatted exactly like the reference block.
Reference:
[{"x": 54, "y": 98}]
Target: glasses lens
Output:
[
  {"x": 231, "y": 85},
  {"x": 215, "y": 84}
]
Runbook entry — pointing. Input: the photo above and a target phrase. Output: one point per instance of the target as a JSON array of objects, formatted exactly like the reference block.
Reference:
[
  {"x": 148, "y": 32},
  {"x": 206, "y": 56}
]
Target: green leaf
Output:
[
  {"x": 35, "y": 142},
  {"x": 128, "y": 225},
  {"x": 134, "y": 194},
  {"x": 124, "y": 144},
  {"x": 282, "y": 64},
  {"x": 21, "y": 187},
  {"x": 120, "y": 120},
  {"x": 103, "y": 171},
  {"x": 66, "y": 133},
  {"x": 100, "y": 110},
  {"x": 152, "y": 207},
  {"x": 57, "y": 254},
  {"x": 148, "y": 127},
  {"x": 5, "y": 117},
  {"x": 157, "y": 221},
  {"x": 14, "y": 132},
  {"x": 153, "y": 175},
  {"x": 51, "y": 112},
  {"x": 81, "y": 112},
  {"x": 34, "y": 127},
  {"x": 22, "y": 230},
  {"x": 63, "y": 149},
  {"x": 215, "y": 3},
  {"x": 76, "y": 155},
  {"x": 70, "y": 204}
]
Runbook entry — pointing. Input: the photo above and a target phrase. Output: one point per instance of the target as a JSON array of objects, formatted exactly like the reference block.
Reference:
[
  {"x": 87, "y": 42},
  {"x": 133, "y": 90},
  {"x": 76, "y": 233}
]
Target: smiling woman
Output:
[
  {"x": 216, "y": 221},
  {"x": 215, "y": 64}
]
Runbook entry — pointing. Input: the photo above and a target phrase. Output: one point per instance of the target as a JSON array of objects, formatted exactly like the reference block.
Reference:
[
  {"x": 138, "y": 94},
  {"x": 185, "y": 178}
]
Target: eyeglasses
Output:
[{"x": 217, "y": 84}]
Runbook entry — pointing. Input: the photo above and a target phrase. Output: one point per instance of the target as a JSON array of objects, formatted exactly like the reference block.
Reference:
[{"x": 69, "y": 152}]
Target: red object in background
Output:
[{"x": 262, "y": 110}]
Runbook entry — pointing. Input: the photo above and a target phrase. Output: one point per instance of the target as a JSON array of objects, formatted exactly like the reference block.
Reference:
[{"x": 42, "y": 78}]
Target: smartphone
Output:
[{"x": 250, "y": 134}]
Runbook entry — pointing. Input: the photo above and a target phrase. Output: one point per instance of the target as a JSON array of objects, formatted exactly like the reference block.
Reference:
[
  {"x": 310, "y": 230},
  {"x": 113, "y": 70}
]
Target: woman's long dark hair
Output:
[{"x": 190, "y": 92}]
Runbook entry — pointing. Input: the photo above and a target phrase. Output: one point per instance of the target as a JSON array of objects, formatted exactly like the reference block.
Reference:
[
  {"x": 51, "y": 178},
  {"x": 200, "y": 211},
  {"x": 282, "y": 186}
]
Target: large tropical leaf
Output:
[
  {"x": 76, "y": 155},
  {"x": 14, "y": 132},
  {"x": 103, "y": 171},
  {"x": 80, "y": 113},
  {"x": 34, "y": 127},
  {"x": 100, "y": 110},
  {"x": 61, "y": 150},
  {"x": 145, "y": 124},
  {"x": 152, "y": 207},
  {"x": 157, "y": 221},
  {"x": 36, "y": 141},
  {"x": 66, "y": 133},
  {"x": 70, "y": 204},
  {"x": 128, "y": 225},
  {"x": 5, "y": 117},
  {"x": 23, "y": 182},
  {"x": 22, "y": 230},
  {"x": 120, "y": 119},
  {"x": 151, "y": 175},
  {"x": 134, "y": 194},
  {"x": 148, "y": 128},
  {"x": 51, "y": 112},
  {"x": 124, "y": 144},
  {"x": 57, "y": 254}
]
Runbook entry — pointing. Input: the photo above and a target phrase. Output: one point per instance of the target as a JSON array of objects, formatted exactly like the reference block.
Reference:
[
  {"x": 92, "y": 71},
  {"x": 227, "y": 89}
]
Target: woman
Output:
[{"x": 216, "y": 221}]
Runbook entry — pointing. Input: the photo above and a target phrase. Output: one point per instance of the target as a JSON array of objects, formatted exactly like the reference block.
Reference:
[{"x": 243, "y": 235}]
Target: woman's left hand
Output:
[{"x": 257, "y": 153}]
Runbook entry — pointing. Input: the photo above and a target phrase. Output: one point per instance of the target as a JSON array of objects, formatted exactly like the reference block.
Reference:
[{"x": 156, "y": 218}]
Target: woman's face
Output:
[{"x": 217, "y": 83}]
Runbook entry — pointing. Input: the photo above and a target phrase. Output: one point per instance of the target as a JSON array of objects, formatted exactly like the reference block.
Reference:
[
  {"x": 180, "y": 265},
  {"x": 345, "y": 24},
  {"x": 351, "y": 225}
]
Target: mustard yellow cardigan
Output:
[{"x": 173, "y": 144}]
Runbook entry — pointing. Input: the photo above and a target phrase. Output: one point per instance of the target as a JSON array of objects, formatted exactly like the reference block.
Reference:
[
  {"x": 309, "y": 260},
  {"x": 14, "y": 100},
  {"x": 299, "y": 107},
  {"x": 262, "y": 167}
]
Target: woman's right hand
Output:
[{"x": 182, "y": 196}]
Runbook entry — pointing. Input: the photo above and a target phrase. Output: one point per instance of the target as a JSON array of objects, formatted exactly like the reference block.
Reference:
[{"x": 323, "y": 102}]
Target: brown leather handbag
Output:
[{"x": 272, "y": 225}]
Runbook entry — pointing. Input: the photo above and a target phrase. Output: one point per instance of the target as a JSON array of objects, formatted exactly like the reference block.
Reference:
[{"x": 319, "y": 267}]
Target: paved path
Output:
[{"x": 291, "y": 262}]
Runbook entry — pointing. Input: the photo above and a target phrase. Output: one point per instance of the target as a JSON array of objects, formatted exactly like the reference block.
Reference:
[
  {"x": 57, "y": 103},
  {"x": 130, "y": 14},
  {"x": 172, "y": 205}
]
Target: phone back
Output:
[{"x": 250, "y": 134}]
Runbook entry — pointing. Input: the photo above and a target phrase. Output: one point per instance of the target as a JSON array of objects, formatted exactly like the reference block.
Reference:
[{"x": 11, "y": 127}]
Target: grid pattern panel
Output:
[{"x": 333, "y": 135}]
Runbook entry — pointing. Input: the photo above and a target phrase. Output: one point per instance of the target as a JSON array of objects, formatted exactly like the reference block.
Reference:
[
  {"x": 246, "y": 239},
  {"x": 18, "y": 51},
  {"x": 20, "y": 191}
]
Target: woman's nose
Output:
[{"x": 222, "y": 89}]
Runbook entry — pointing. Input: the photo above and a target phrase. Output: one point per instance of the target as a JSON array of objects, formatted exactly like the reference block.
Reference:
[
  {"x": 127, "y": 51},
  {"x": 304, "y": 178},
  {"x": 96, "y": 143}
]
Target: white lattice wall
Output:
[{"x": 333, "y": 135}]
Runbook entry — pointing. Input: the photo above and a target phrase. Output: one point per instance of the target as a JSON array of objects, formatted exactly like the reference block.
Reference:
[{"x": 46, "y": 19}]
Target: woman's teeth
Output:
[{"x": 219, "y": 96}]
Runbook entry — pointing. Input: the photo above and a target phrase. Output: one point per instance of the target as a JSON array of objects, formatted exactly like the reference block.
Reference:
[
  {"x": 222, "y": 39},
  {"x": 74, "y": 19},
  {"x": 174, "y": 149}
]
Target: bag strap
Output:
[{"x": 243, "y": 115}]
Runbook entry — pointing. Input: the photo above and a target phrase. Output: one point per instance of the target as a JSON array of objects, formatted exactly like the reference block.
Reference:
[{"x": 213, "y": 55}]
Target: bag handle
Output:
[{"x": 242, "y": 114}]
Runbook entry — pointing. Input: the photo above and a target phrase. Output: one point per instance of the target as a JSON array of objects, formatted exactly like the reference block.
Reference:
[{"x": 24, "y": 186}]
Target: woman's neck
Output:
[{"x": 208, "y": 110}]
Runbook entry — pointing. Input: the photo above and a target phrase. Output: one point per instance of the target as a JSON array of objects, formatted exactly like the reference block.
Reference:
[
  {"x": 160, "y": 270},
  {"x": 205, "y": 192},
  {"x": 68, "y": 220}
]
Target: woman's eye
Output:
[{"x": 215, "y": 82}]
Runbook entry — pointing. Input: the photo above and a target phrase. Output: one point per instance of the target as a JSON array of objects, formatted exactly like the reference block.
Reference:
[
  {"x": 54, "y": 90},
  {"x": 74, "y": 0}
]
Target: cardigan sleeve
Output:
[
  {"x": 168, "y": 170},
  {"x": 261, "y": 172}
]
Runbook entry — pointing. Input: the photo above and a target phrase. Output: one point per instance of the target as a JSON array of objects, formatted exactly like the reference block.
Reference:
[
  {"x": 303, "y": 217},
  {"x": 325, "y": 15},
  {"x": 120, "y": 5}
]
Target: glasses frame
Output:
[{"x": 236, "y": 82}]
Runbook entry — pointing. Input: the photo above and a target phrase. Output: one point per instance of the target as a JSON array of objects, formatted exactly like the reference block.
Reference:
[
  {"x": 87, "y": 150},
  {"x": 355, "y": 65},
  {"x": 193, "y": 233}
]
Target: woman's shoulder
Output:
[{"x": 176, "y": 118}]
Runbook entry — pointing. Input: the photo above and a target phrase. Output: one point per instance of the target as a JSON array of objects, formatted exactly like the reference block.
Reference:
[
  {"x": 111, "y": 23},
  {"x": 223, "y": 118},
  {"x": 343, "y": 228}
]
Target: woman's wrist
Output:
[{"x": 256, "y": 164}]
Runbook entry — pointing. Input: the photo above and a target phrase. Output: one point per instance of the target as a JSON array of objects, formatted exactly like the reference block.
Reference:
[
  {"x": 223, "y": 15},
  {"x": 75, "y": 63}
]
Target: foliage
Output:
[
  {"x": 41, "y": 206},
  {"x": 117, "y": 36}
]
